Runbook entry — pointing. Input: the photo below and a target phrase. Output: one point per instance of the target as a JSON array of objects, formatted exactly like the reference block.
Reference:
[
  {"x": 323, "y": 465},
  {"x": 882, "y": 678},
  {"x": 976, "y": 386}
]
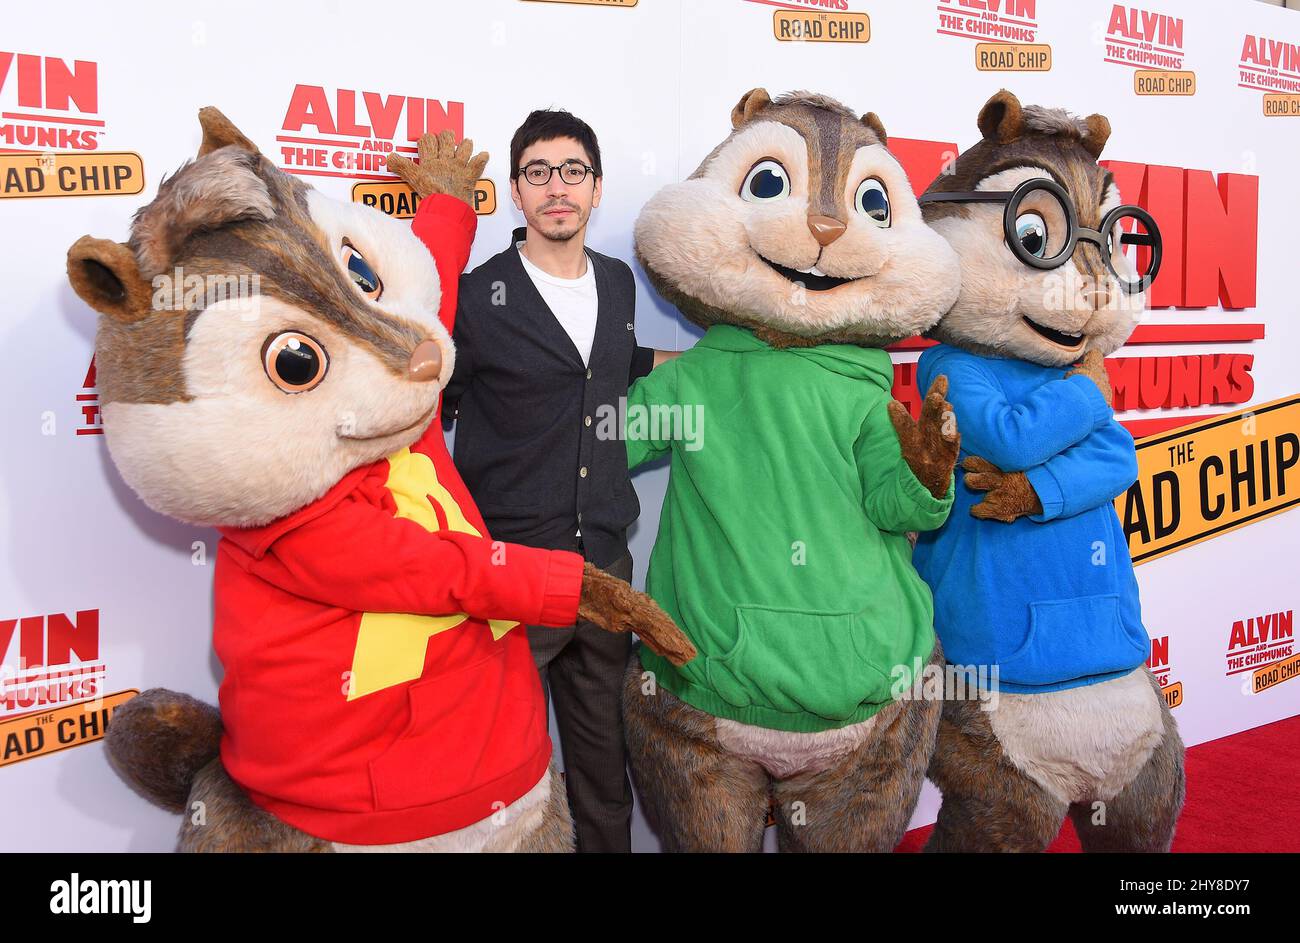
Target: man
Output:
[{"x": 545, "y": 336}]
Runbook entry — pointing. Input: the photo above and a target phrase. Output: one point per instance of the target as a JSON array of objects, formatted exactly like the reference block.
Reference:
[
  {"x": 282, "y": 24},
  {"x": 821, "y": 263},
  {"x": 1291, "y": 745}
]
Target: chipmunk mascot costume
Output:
[
  {"x": 782, "y": 549},
  {"x": 378, "y": 691},
  {"x": 1031, "y": 573}
]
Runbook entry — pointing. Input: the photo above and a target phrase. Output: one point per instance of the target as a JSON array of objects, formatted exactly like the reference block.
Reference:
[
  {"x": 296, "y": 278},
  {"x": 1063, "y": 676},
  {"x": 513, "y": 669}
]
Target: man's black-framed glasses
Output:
[
  {"x": 1045, "y": 233},
  {"x": 539, "y": 172}
]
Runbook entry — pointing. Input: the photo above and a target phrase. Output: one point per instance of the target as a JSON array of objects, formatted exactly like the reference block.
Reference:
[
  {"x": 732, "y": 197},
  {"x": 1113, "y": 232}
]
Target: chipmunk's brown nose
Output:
[
  {"x": 825, "y": 229},
  {"x": 426, "y": 361}
]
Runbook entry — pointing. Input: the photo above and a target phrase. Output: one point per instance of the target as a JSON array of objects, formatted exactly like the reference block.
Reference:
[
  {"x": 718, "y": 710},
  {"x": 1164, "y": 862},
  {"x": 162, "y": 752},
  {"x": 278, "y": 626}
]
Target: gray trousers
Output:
[{"x": 582, "y": 669}]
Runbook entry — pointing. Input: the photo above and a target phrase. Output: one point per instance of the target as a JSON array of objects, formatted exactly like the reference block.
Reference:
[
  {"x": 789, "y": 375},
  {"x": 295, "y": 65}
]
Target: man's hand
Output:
[
  {"x": 444, "y": 167},
  {"x": 930, "y": 446},
  {"x": 1010, "y": 495},
  {"x": 1093, "y": 366},
  {"x": 615, "y": 606}
]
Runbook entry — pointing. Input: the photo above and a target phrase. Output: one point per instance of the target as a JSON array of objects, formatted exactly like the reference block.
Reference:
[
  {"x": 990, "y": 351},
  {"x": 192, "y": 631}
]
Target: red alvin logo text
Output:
[
  {"x": 1257, "y": 640},
  {"x": 1144, "y": 39},
  {"x": 1269, "y": 65},
  {"x": 1159, "y": 665},
  {"x": 88, "y": 404},
  {"x": 47, "y": 104},
  {"x": 1009, "y": 21},
  {"x": 1159, "y": 660},
  {"x": 49, "y": 660},
  {"x": 344, "y": 133}
]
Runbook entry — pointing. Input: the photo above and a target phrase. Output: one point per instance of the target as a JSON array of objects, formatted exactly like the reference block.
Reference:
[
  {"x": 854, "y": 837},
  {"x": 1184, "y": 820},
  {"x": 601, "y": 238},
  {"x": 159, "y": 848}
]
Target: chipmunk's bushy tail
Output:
[{"x": 159, "y": 740}]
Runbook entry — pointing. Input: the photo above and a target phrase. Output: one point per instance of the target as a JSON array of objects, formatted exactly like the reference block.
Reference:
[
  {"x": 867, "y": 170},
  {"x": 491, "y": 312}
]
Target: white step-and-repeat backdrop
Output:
[{"x": 100, "y": 597}]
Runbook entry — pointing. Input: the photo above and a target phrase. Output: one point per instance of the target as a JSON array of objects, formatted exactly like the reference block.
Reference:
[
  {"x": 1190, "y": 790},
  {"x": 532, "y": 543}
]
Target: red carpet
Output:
[{"x": 1243, "y": 794}]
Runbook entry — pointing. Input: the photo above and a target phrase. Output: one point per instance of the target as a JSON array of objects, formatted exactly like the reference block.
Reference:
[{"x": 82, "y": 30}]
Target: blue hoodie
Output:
[{"x": 1050, "y": 598}]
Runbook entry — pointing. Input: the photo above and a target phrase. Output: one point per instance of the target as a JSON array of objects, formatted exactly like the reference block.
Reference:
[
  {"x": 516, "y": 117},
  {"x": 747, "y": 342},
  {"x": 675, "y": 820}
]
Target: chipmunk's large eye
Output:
[
  {"x": 765, "y": 182},
  {"x": 363, "y": 276},
  {"x": 1031, "y": 230},
  {"x": 294, "y": 362},
  {"x": 872, "y": 201}
]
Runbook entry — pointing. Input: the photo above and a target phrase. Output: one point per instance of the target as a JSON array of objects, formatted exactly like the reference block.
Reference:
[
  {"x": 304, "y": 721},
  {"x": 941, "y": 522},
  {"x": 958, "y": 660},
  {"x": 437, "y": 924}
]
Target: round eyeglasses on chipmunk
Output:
[{"x": 1033, "y": 235}]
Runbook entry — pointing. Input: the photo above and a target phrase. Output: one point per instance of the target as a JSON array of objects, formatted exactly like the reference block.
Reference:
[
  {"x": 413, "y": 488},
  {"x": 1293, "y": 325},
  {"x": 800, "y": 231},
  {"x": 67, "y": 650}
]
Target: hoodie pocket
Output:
[
  {"x": 795, "y": 661},
  {"x": 1073, "y": 638},
  {"x": 451, "y": 742}
]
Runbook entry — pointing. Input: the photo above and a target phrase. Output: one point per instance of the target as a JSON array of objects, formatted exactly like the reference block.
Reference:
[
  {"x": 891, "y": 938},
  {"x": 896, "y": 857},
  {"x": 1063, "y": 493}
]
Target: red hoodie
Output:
[{"x": 378, "y": 687}]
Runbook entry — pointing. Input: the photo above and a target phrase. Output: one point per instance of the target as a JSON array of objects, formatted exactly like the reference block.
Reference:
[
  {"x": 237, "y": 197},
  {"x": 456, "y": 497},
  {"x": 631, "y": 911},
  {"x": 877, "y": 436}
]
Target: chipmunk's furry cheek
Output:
[
  {"x": 205, "y": 463},
  {"x": 691, "y": 235},
  {"x": 778, "y": 232},
  {"x": 915, "y": 280},
  {"x": 986, "y": 316},
  {"x": 1110, "y": 328},
  {"x": 241, "y": 451},
  {"x": 1060, "y": 299}
]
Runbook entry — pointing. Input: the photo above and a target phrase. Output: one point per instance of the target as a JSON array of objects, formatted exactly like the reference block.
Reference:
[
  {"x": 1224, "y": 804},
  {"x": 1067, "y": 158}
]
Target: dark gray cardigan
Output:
[{"x": 528, "y": 411}]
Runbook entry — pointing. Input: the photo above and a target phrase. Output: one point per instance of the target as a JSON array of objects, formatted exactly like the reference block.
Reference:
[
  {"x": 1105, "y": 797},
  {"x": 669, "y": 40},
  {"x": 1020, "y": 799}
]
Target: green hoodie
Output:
[{"x": 781, "y": 550}]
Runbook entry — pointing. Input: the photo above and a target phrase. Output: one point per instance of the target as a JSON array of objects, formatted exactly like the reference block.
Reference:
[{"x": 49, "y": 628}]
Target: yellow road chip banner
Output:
[
  {"x": 1211, "y": 477},
  {"x": 398, "y": 200},
  {"x": 1274, "y": 674},
  {"x": 44, "y": 732},
  {"x": 1013, "y": 57},
  {"x": 821, "y": 26},
  {"x": 62, "y": 174}
]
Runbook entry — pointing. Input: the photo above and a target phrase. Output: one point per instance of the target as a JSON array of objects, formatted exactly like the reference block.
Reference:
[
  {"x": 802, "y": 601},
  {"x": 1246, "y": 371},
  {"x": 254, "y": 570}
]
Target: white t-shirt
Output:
[{"x": 573, "y": 301}]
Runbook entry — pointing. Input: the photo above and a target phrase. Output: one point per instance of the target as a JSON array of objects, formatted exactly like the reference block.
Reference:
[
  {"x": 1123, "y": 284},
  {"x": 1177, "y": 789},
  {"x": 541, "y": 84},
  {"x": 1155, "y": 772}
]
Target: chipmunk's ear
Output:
[
  {"x": 1098, "y": 133},
  {"x": 872, "y": 121},
  {"x": 1001, "y": 119},
  {"x": 750, "y": 104},
  {"x": 105, "y": 275},
  {"x": 219, "y": 131}
]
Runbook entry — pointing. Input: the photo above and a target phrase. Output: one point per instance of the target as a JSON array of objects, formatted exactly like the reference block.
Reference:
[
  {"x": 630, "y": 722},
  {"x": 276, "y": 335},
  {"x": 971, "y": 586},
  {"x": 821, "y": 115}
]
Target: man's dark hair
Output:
[{"x": 546, "y": 124}]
